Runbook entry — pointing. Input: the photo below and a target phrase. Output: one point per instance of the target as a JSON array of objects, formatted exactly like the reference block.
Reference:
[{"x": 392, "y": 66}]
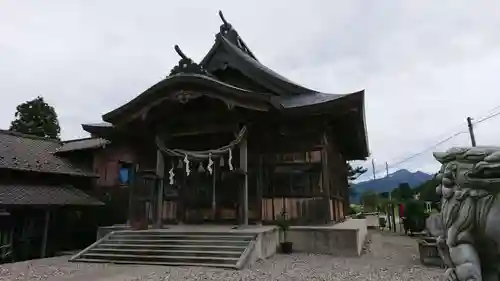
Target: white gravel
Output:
[{"x": 389, "y": 257}]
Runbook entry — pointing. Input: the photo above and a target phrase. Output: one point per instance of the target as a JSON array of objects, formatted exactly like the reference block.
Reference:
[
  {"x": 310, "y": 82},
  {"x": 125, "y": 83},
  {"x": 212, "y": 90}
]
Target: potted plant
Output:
[{"x": 284, "y": 225}]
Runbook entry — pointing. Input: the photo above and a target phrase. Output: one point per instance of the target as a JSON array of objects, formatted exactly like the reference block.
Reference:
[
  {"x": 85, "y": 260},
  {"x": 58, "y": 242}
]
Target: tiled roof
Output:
[
  {"x": 81, "y": 144},
  {"x": 31, "y": 153},
  {"x": 12, "y": 194}
]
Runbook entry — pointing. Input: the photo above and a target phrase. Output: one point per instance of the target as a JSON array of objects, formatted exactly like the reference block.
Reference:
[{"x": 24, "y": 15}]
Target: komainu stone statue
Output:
[{"x": 470, "y": 213}]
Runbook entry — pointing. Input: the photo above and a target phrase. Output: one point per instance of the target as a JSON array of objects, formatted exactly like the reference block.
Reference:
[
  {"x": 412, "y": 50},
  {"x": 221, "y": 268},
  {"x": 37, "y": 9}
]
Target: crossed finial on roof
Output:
[
  {"x": 225, "y": 27},
  {"x": 187, "y": 65},
  {"x": 181, "y": 54},
  {"x": 223, "y": 19}
]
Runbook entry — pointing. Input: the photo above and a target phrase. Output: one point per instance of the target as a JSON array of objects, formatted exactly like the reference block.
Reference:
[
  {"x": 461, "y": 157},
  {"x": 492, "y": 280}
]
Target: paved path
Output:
[{"x": 389, "y": 257}]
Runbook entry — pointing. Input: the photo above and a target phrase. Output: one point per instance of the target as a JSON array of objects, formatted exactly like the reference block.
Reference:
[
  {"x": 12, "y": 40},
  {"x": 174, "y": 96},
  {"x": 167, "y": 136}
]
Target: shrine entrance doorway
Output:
[
  {"x": 211, "y": 190},
  {"x": 202, "y": 197}
]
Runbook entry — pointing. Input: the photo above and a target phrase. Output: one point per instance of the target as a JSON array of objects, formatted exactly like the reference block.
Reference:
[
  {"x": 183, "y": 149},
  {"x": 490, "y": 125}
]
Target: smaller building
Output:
[{"x": 44, "y": 205}]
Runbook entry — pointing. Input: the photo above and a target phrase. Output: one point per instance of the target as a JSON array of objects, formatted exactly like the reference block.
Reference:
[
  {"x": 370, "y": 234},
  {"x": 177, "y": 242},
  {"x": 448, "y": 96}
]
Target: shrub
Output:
[{"x": 415, "y": 215}]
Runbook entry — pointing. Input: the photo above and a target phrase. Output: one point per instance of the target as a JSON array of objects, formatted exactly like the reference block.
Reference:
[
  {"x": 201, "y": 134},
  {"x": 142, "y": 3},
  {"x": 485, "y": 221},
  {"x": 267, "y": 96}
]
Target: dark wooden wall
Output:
[
  {"x": 308, "y": 205},
  {"x": 106, "y": 163}
]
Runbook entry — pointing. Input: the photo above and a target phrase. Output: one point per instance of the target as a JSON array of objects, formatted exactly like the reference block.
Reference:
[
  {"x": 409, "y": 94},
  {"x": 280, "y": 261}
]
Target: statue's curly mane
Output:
[{"x": 475, "y": 165}]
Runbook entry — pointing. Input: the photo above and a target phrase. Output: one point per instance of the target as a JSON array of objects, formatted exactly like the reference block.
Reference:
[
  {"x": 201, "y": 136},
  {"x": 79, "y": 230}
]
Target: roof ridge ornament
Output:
[
  {"x": 181, "y": 54},
  {"x": 187, "y": 65},
  {"x": 226, "y": 26},
  {"x": 227, "y": 31}
]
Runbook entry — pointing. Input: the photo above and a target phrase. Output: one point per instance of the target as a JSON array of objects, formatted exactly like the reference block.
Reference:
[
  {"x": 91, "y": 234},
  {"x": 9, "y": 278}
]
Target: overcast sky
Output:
[{"x": 425, "y": 64}]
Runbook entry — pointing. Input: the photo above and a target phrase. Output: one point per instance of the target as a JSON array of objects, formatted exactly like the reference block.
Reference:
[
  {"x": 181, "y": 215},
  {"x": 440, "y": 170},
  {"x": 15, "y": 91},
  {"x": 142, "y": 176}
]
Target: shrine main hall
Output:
[{"x": 229, "y": 141}]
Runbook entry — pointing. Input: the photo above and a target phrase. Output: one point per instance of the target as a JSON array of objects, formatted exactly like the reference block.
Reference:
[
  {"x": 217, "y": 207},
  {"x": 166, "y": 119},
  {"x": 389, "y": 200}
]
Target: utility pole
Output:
[
  {"x": 471, "y": 131},
  {"x": 373, "y": 168}
]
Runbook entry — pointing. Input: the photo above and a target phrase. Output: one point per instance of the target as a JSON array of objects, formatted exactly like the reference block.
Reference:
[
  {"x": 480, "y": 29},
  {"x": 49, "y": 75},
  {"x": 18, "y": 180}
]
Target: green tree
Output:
[
  {"x": 36, "y": 117},
  {"x": 403, "y": 192},
  {"x": 384, "y": 195},
  {"x": 354, "y": 173},
  {"x": 427, "y": 191},
  {"x": 370, "y": 200}
]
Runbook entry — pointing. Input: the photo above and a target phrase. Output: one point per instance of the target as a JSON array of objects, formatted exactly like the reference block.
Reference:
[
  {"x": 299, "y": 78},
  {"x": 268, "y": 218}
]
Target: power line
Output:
[
  {"x": 491, "y": 110},
  {"x": 425, "y": 150},
  {"x": 412, "y": 156},
  {"x": 464, "y": 124},
  {"x": 487, "y": 117}
]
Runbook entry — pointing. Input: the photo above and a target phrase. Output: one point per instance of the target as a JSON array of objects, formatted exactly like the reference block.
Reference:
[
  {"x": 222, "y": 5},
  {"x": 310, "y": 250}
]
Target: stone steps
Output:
[
  {"x": 179, "y": 241},
  {"x": 170, "y": 248},
  {"x": 167, "y": 252},
  {"x": 158, "y": 263},
  {"x": 175, "y": 247},
  {"x": 181, "y": 237}
]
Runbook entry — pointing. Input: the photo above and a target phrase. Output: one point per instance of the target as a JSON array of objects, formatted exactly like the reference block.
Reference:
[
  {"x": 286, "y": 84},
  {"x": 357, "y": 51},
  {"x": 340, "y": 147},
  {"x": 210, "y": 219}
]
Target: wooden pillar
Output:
[
  {"x": 131, "y": 193},
  {"x": 181, "y": 200},
  {"x": 214, "y": 197},
  {"x": 160, "y": 172},
  {"x": 259, "y": 189},
  {"x": 325, "y": 177},
  {"x": 244, "y": 168},
  {"x": 45, "y": 236}
]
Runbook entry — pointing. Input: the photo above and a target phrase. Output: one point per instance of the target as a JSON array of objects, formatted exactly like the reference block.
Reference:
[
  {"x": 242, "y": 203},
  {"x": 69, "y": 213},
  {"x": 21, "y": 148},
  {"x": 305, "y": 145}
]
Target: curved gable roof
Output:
[
  {"x": 230, "y": 50},
  {"x": 191, "y": 80}
]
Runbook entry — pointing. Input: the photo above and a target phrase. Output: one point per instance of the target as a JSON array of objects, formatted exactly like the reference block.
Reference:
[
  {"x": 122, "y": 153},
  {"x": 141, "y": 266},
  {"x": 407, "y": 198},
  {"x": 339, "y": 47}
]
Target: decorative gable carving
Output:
[{"x": 184, "y": 96}]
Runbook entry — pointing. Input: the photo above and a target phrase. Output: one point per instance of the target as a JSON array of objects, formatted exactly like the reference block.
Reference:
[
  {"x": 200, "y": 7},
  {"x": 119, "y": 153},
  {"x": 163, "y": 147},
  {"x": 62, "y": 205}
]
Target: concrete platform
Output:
[{"x": 342, "y": 239}]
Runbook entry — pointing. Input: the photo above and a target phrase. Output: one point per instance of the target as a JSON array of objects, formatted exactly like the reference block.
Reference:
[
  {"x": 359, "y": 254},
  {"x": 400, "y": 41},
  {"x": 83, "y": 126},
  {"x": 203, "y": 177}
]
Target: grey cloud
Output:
[{"x": 425, "y": 65}]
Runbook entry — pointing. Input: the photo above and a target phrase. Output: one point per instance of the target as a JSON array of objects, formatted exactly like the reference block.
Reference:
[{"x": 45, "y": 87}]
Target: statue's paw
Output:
[
  {"x": 451, "y": 275},
  {"x": 468, "y": 272}
]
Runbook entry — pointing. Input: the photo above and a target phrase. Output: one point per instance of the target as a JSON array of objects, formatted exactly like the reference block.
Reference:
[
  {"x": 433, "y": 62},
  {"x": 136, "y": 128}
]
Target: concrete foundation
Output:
[
  {"x": 342, "y": 239},
  {"x": 372, "y": 220}
]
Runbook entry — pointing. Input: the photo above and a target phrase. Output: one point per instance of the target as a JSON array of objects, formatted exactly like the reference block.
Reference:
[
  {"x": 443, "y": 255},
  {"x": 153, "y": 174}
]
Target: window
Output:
[{"x": 124, "y": 173}]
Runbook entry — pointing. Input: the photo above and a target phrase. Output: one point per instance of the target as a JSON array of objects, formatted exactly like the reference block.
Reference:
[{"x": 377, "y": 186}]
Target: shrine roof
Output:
[
  {"x": 231, "y": 72},
  {"x": 230, "y": 54},
  {"x": 225, "y": 54},
  {"x": 176, "y": 81},
  {"x": 317, "y": 102}
]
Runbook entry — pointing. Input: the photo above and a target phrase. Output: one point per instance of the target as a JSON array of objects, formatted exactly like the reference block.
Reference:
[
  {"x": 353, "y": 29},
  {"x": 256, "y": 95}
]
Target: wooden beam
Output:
[{"x": 204, "y": 129}]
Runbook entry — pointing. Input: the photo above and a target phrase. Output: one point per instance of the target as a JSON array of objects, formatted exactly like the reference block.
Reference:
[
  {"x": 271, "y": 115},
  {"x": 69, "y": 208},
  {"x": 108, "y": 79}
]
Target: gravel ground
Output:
[{"x": 387, "y": 257}]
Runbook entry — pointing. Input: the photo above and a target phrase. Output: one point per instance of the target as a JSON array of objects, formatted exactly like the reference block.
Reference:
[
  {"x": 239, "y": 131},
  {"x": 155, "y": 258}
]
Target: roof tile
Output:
[
  {"x": 31, "y": 153},
  {"x": 15, "y": 194}
]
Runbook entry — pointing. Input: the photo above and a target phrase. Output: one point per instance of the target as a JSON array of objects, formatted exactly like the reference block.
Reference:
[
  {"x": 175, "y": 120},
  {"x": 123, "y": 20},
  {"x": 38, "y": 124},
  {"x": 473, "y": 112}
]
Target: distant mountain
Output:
[{"x": 387, "y": 184}]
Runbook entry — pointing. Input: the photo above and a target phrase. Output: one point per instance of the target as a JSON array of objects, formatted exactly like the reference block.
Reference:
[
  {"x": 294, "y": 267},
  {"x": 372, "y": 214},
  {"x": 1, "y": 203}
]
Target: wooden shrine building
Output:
[{"x": 229, "y": 140}]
